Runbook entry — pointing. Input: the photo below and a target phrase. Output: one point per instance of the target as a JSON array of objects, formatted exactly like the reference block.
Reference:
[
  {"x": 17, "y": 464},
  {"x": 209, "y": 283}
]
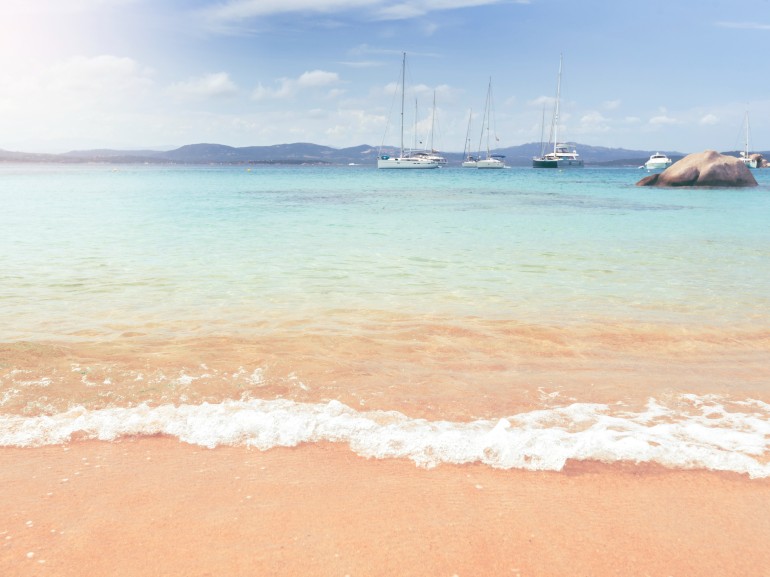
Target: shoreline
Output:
[
  {"x": 487, "y": 369},
  {"x": 154, "y": 506}
]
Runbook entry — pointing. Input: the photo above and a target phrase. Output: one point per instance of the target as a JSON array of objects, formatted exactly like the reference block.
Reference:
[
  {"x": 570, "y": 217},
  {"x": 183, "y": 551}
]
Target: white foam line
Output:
[{"x": 711, "y": 438}]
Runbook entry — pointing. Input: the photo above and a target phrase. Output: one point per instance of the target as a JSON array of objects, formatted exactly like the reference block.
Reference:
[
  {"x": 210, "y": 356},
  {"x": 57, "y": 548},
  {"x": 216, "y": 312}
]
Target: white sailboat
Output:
[
  {"x": 402, "y": 160},
  {"x": 745, "y": 156},
  {"x": 491, "y": 160},
  {"x": 563, "y": 155},
  {"x": 469, "y": 161},
  {"x": 431, "y": 154}
]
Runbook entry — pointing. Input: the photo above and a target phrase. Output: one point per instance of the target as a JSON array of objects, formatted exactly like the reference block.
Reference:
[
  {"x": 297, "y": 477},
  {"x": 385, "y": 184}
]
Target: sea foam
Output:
[{"x": 701, "y": 433}]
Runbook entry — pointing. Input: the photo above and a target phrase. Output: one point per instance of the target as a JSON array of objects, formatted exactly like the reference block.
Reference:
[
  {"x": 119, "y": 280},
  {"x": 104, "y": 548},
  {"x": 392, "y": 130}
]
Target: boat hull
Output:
[
  {"x": 489, "y": 163},
  {"x": 658, "y": 161},
  {"x": 749, "y": 162},
  {"x": 561, "y": 163},
  {"x": 388, "y": 162},
  {"x": 544, "y": 163},
  {"x": 657, "y": 165}
]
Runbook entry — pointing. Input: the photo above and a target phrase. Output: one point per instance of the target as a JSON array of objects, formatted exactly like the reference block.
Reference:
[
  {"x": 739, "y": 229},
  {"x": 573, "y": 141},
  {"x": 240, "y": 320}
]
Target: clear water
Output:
[
  {"x": 518, "y": 317},
  {"x": 95, "y": 248}
]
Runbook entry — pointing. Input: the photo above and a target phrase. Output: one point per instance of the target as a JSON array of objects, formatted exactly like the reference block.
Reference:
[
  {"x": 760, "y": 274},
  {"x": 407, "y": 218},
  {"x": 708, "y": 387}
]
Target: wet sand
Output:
[
  {"x": 155, "y": 506},
  {"x": 455, "y": 369}
]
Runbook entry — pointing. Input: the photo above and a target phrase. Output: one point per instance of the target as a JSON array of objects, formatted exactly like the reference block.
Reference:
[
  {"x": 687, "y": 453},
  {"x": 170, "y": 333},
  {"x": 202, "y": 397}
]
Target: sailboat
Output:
[
  {"x": 431, "y": 154},
  {"x": 402, "y": 160},
  {"x": 563, "y": 155},
  {"x": 745, "y": 158},
  {"x": 469, "y": 161},
  {"x": 491, "y": 160}
]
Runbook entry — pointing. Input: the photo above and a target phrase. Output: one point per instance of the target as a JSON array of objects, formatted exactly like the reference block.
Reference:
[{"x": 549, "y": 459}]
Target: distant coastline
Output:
[{"x": 307, "y": 153}]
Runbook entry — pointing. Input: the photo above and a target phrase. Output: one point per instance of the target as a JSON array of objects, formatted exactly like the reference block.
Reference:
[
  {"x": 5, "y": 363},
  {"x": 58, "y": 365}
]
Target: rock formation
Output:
[
  {"x": 707, "y": 168},
  {"x": 761, "y": 161}
]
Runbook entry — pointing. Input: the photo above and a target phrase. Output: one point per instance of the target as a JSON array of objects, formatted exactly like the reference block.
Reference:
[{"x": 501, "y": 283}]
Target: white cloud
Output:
[
  {"x": 356, "y": 121},
  {"x": 542, "y": 101},
  {"x": 593, "y": 121},
  {"x": 231, "y": 12},
  {"x": 662, "y": 118},
  {"x": 335, "y": 93},
  {"x": 317, "y": 78},
  {"x": 611, "y": 104},
  {"x": 290, "y": 87},
  {"x": 400, "y": 11},
  {"x": 78, "y": 83},
  {"x": 363, "y": 64},
  {"x": 744, "y": 25},
  {"x": 104, "y": 73},
  {"x": 416, "y": 8},
  {"x": 215, "y": 85},
  {"x": 49, "y": 7},
  {"x": 430, "y": 28},
  {"x": 78, "y": 98},
  {"x": 236, "y": 10},
  {"x": 709, "y": 119}
]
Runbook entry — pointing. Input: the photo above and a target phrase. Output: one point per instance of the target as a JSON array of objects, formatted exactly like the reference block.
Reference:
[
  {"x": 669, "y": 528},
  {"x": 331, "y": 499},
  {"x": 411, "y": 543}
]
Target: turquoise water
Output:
[
  {"x": 102, "y": 249},
  {"x": 517, "y": 318}
]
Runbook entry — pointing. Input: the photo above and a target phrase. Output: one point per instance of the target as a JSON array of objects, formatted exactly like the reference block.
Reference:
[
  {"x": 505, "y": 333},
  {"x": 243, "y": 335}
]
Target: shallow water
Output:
[{"x": 518, "y": 318}]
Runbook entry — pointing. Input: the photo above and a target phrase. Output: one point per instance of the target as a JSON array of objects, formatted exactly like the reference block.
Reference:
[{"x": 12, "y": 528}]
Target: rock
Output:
[
  {"x": 707, "y": 168},
  {"x": 761, "y": 161}
]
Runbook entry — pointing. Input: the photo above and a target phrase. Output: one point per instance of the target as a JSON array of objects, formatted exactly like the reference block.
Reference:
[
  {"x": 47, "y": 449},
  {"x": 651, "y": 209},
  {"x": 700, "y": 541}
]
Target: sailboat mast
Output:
[
  {"x": 556, "y": 110},
  {"x": 485, "y": 120},
  {"x": 489, "y": 98},
  {"x": 403, "y": 80},
  {"x": 747, "y": 134},
  {"x": 467, "y": 149},
  {"x": 433, "y": 121}
]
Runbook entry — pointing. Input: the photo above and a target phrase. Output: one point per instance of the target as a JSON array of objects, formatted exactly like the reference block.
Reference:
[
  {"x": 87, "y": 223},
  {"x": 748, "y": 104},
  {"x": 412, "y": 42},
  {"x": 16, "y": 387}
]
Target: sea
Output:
[{"x": 517, "y": 318}]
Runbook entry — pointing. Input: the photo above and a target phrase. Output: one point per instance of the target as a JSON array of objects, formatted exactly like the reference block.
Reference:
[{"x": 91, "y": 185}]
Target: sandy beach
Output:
[
  {"x": 211, "y": 372},
  {"x": 155, "y": 506}
]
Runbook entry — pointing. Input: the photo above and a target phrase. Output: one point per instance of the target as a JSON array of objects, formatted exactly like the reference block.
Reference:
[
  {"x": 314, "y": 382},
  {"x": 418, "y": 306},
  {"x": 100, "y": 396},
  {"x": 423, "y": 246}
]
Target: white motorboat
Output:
[{"x": 658, "y": 161}]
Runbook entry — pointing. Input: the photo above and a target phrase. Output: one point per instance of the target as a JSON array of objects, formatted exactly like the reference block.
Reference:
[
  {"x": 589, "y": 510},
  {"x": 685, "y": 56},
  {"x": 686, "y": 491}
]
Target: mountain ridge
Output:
[{"x": 309, "y": 153}]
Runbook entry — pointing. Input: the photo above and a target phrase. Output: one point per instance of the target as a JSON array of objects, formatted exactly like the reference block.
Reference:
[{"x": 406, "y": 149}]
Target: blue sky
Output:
[{"x": 673, "y": 75}]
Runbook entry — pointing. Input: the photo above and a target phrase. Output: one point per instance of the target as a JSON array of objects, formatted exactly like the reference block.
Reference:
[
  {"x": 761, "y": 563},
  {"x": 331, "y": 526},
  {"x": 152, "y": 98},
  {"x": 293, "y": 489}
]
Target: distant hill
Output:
[{"x": 307, "y": 153}]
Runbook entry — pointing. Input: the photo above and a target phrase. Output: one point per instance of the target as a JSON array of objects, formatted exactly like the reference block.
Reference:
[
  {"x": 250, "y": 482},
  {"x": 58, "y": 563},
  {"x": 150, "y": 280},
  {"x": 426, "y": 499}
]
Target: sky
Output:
[{"x": 672, "y": 75}]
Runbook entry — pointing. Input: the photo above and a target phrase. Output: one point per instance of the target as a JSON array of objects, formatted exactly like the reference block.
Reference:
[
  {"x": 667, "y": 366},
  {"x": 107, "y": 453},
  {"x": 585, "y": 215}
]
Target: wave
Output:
[{"x": 696, "y": 433}]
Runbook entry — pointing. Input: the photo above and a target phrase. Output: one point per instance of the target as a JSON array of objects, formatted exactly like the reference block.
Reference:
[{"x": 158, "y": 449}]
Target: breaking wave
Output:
[{"x": 700, "y": 433}]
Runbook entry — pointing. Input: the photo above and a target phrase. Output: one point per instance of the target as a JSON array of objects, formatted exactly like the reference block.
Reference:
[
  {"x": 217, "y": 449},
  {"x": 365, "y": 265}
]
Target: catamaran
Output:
[{"x": 563, "y": 155}]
